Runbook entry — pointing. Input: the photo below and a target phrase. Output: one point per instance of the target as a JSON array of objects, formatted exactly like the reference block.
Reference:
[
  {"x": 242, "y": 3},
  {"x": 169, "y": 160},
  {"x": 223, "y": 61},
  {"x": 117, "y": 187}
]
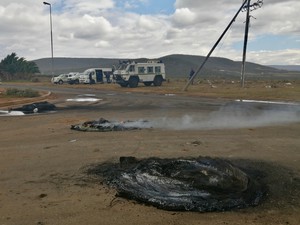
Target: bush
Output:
[
  {"x": 29, "y": 93},
  {"x": 35, "y": 80}
]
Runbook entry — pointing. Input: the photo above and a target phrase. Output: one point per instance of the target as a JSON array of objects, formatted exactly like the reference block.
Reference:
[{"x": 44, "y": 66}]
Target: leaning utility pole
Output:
[
  {"x": 213, "y": 48},
  {"x": 249, "y": 8}
]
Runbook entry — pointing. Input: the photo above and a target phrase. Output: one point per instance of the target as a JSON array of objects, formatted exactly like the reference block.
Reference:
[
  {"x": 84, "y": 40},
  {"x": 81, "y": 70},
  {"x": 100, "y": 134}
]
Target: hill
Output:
[
  {"x": 287, "y": 67},
  {"x": 177, "y": 66}
]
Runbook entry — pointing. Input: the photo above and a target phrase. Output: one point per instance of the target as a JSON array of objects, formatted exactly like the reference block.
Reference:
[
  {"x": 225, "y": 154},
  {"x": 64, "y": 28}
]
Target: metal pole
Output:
[
  {"x": 211, "y": 51},
  {"x": 245, "y": 44},
  {"x": 51, "y": 36}
]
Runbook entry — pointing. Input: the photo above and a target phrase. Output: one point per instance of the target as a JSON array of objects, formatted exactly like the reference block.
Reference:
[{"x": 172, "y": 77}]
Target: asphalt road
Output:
[{"x": 129, "y": 98}]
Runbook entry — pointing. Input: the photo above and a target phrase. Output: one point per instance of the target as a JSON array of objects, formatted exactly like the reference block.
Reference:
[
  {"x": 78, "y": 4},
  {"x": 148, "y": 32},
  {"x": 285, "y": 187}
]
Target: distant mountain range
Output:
[
  {"x": 287, "y": 67},
  {"x": 177, "y": 66}
]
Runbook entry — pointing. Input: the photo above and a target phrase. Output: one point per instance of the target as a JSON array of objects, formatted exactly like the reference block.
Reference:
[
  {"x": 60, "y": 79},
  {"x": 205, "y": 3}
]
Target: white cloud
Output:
[
  {"x": 278, "y": 18},
  {"x": 149, "y": 23},
  {"x": 290, "y": 56},
  {"x": 97, "y": 28},
  {"x": 88, "y": 6},
  {"x": 102, "y": 44},
  {"x": 184, "y": 17}
]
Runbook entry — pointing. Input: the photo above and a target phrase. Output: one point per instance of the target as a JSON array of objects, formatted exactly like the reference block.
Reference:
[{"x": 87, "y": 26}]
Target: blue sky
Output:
[
  {"x": 273, "y": 42},
  {"x": 149, "y": 6},
  {"x": 149, "y": 28}
]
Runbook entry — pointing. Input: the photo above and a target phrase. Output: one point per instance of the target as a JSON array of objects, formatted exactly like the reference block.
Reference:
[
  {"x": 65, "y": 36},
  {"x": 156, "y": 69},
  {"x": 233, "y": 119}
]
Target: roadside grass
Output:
[
  {"x": 258, "y": 90},
  {"x": 27, "y": 93},
  {"x": 227, "y": 89}
]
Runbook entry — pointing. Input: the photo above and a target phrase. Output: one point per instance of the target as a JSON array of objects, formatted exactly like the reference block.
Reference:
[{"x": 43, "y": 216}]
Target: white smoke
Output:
[{"x": 230, "y": 116}]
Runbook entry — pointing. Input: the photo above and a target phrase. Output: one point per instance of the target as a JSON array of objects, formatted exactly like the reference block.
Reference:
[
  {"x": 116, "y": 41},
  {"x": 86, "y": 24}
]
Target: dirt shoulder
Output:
[{"x": 43, "y": 164}]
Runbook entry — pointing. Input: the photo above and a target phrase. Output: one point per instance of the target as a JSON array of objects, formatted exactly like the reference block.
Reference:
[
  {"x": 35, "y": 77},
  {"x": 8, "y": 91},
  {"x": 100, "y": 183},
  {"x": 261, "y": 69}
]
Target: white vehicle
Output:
[
  {"x": 74, "y": 79},
  {"x": 132, "y": 73},
  {"x": 96, "y": 75},
  {"x": 60, "y": 79}
]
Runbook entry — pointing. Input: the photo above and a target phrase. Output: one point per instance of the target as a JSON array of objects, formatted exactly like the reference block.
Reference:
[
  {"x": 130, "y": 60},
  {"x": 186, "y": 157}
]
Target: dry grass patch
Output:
[{"x": 217, "y": 88}]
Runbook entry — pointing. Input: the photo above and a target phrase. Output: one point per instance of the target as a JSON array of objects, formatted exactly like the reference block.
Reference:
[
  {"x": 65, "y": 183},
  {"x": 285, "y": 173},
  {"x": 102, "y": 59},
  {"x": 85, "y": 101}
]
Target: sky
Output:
[{"x": 149, "y": 28}]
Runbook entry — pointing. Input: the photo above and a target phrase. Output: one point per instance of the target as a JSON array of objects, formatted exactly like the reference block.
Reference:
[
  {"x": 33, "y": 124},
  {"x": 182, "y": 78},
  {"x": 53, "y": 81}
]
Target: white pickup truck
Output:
[
  {"x": 62, "y": 78},
  {"x": 74, "y": 79}
]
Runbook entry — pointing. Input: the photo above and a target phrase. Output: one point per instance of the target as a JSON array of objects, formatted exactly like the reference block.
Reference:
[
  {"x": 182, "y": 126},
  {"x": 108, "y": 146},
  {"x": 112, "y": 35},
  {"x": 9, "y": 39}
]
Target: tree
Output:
[{"x": 13, "y": 67}]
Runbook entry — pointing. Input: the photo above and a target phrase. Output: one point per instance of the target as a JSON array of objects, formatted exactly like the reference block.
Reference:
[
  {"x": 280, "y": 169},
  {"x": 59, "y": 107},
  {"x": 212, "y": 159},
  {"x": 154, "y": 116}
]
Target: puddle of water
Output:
[
  {"x": 87, "y": 95},
  {"x": 20, "y": 113},
  {"x": 266, "y": 102},
  {"x": 11, "y": 113},
  {"x": 84, "y": 99}
]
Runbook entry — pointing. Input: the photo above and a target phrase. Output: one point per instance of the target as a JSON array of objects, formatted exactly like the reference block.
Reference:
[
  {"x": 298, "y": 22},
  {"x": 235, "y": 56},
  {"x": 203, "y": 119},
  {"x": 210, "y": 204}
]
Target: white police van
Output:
[
  {"x": 132, "y": 73},
  {"x": 96, "y": 75}
]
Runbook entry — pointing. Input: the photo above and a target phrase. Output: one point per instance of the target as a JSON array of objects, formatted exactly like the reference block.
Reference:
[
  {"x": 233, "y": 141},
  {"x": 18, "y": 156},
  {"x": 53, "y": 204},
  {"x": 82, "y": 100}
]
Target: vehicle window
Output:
[
  {"x": 150, "y": 69},
  {"x": 141, "y": 70},
  {"x": 131, "y": 68},
  {"x": 157, "y": 69}
]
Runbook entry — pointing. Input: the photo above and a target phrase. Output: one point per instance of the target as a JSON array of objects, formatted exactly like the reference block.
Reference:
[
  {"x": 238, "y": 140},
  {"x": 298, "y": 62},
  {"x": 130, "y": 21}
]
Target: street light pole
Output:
[{"x": 46, "y": 3}]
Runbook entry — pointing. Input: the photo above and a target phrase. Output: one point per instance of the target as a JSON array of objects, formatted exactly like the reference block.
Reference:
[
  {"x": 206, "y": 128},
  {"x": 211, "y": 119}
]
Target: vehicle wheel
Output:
[
  {"x": 158, "y": 81},
  {"x": 133, "y": 82},
  {"x": 76, "y": 81},
  {"x": 60, "y": 82},
  {"x": 93, "y": 81},
  {"x": 147, "y": 83}
]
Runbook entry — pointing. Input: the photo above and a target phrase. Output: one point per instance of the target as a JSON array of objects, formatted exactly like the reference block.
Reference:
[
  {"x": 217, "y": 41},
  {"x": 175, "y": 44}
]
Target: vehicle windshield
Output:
[
  {"x": 122, "y": 67},
  {"x": 86, "y": 72}
]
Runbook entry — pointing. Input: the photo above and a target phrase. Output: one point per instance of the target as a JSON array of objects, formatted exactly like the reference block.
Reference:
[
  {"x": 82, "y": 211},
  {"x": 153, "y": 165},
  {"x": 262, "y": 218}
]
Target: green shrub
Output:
[
  {"x": 35, "y": 80},
  {"x": 28, "y": 93}
]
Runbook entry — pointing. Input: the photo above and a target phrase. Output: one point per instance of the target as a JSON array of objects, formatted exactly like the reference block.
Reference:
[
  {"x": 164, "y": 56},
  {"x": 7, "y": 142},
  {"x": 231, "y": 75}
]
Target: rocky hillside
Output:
[{"x": 177, "y": 66}]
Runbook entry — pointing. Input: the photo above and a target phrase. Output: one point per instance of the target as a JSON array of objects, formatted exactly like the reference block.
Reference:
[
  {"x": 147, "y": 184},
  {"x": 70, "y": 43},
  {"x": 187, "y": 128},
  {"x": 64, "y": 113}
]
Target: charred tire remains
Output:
[
  {"x": 201, "y": 184},
  {"x": 103, "y": 125},
  {"x": 36, "y": 107}
]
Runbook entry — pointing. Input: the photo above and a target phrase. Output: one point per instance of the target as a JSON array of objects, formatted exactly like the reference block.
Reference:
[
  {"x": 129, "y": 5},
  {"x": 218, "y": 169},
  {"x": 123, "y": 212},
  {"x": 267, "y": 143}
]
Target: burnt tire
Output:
[
  {"x": 133, "y": 82},
  {"x": 158, "y": 81},
  {"x": 60, "y": 82}
]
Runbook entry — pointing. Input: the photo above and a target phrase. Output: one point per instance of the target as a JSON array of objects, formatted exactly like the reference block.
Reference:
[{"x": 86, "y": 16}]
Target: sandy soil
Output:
[{"x": 43, "y": 165}]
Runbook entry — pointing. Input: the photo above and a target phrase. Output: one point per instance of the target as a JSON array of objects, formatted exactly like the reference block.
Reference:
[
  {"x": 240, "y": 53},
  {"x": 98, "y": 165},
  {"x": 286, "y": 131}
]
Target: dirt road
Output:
[{"x": 43, "y": 161}]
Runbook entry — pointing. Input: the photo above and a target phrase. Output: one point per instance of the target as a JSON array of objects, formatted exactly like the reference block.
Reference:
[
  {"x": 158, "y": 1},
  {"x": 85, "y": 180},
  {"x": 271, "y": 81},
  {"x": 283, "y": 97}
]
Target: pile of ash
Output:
[
  {"x": 200, "y": 184},
  {"x": 103, "y": 125}
]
